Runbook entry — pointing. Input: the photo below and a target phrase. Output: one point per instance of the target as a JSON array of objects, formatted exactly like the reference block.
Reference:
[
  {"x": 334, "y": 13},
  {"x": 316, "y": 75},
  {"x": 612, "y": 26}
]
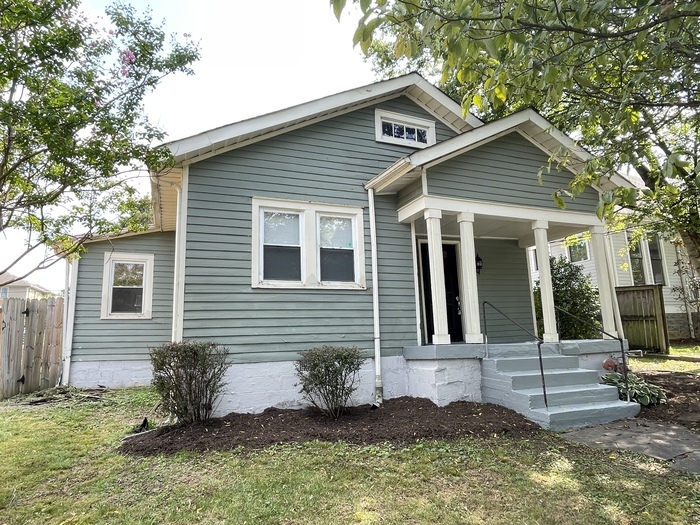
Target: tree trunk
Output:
[{"x": 691, "y": 242}]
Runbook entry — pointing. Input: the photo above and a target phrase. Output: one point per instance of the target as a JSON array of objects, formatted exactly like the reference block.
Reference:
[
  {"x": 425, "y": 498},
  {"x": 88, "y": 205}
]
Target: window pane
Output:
[
  {"x": 654, "y": 248},
  {"x": 281, "y": 228},
  {"x": 410, "y": 133},
  {"x": 337, "y": 265},
  {"x": 658, "y": 270},
  {"x": 127, "y": 300},
  {"x": 422, "y": 136},
  {"x": 398, "y": 131},
  {"x": 578, "y": 252},
  {"x": 128, "y": 274},
  {"x": 387, "y": 129},
  {"x": 282, "y": 263},
  {"x": 335, "y": 232}
]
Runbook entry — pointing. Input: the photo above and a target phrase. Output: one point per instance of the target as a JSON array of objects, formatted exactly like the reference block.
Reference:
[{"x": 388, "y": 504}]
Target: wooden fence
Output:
[
  {"x": 31, "y": 345},
  {"x": 643, "y": 317}
]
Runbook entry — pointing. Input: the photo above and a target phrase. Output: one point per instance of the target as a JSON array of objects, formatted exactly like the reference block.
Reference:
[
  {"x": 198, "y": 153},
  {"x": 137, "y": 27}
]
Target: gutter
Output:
[{"x": 378, "y": 384}]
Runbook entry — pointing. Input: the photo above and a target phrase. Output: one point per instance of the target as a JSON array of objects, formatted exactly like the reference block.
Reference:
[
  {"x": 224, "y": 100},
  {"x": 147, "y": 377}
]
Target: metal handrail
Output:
[
  {"x": 537, "y": 338},
  {"x": 622, "y": 345}
]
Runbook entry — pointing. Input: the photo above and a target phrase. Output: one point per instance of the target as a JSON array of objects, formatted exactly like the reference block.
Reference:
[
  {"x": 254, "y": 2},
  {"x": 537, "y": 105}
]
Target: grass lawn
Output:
[
  {"x": 685, "y": 350},
  {"x": 60, "y": 466}
]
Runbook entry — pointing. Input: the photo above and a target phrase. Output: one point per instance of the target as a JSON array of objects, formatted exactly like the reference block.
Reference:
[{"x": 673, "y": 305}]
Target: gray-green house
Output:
[{"x": 356, "y": 219}]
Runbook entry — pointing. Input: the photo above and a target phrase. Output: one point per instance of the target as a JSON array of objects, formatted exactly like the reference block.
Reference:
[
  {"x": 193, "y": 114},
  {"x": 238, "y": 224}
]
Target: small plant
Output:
[
  {"x": 328, "y": 376},
  {"x": 188, "y": 377},
  {"x": 640, "y": 391}
]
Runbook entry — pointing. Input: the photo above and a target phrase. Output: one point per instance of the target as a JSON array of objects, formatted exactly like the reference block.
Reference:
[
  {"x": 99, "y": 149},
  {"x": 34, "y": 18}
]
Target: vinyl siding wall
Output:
[
  {"x": 505, "y": 171},
  {"x": 326, "y": 162},
  {"x": 96, "y": 339}
]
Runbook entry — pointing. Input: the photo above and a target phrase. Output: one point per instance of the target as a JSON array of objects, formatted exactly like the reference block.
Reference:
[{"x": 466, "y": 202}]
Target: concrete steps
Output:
[{"x": 574, "y": 396}]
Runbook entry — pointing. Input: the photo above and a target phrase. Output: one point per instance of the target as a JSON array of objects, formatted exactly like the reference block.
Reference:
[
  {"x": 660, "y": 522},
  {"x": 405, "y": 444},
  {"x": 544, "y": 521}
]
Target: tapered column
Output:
[
  {"x": 605, "y": 286},
  {"x": 470, "y": 292},
  {"x": 437, "y": 277},
  {"x": 547, "y": 292}
]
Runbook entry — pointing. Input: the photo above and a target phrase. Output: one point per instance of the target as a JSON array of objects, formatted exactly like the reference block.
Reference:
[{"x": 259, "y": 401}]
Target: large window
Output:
[
  {"x": 404, "y": 129},
  {"x": 653, "y": 271},
  {"x": 307, "y": 245},
  {"x": 127, "y": 284}
]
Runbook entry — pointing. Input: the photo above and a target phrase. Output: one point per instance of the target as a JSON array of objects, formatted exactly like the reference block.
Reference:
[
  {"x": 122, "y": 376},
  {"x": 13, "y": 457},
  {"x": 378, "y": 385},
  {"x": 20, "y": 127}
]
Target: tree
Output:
[
  {"x": 621, "y": 77},
  {"x": 72, "y": 125},
  {"x": 574, "y": 293}
]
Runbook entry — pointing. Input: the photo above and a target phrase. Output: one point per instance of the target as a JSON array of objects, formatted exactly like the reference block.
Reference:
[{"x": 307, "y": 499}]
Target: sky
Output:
[{"x": 256, "y": 57}]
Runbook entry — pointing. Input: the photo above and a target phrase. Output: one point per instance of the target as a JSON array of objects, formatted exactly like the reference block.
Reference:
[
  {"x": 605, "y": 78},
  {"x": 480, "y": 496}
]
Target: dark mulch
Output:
[
  {"x": 683, "y": 393},
  {"x": 399, "y": 421}
]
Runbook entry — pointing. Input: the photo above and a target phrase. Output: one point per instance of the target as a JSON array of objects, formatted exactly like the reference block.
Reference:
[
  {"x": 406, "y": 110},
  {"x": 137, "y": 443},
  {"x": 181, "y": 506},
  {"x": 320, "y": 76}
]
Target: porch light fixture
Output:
[{"x": 479, "y": 264}]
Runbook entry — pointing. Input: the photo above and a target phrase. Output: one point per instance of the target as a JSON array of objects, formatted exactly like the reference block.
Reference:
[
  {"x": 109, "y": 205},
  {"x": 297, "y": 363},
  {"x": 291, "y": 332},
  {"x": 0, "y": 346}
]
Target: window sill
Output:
[
  {"x": 125, "y": 316},
  {"x": 315, "y": 286}
]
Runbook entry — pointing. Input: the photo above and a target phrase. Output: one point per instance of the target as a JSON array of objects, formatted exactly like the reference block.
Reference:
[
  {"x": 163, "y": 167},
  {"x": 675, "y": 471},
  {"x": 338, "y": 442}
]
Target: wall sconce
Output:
[{"x": 479, "y": 264}]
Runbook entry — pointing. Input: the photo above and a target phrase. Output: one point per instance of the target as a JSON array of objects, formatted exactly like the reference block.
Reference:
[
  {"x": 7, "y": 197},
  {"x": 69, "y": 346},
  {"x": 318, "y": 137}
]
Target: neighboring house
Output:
[
  {"x": 21, "y": 288},
  {"x": 652, "y": 261},
  {"x": 356, "y": 220}
]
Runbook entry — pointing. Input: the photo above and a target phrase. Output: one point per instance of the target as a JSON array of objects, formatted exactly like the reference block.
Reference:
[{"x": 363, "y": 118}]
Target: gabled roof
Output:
[
  {"x": 21, "y": 283},
  {"x": 527, "y": 123},
  {"x": 414, "y": 86}
]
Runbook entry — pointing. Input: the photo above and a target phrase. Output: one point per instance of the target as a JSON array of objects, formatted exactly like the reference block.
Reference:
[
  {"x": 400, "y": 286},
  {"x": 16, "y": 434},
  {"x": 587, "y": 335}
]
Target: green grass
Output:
[
  {"x": 60, "y": 466},
  {"x": 685, "y": 350}
]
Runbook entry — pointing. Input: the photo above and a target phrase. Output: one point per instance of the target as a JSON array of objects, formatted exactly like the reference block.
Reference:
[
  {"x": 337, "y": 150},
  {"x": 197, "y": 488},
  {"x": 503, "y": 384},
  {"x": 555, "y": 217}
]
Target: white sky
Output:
[{"x": 256, "y": 57}]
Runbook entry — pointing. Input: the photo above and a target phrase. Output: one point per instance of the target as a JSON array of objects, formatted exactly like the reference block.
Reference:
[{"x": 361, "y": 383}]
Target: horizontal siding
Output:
[
  {"x": 505, "y": 283},
  {"x": 505, "y": 171},
  {"x": 96, "y": 339},
  {"x": 325, "y": 162},
  {"x": 410, "y": 192}
]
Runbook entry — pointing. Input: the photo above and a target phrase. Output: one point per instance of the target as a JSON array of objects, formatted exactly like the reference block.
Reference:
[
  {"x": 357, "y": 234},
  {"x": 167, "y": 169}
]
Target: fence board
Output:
[
  {"x": 643, "y": 317},
  {"x": 30, "y": 345}
]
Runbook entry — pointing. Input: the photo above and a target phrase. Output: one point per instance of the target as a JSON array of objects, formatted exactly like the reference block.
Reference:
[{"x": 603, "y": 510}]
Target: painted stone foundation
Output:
[
  {"x": 112, "y": 374},
  {"x": 591, "y": 354}
]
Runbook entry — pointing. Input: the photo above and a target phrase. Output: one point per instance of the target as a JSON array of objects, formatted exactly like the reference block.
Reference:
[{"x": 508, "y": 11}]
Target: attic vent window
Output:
[{"x": 405, "y": 130}]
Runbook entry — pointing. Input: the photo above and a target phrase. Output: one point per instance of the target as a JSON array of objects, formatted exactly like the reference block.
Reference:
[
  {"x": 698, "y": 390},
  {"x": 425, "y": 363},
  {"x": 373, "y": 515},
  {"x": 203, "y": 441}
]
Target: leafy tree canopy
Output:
[
  {"x": 72, "y": 124},
  {"x": 623, "y": 78}
]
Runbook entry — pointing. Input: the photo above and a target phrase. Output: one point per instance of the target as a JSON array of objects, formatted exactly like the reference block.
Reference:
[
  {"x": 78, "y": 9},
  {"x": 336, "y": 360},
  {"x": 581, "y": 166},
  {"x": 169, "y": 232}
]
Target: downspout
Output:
[
  {"x": 178, "y": 278},
  {"x": 378, "y": 384},
  {"x": 69, "y": 300}
]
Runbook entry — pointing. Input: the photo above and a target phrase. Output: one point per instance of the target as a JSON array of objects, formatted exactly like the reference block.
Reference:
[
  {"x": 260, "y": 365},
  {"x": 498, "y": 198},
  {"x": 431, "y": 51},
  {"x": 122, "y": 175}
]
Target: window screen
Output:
[
  {"x": 336, "y": 250},
  {"x": 281, "y": 246}
]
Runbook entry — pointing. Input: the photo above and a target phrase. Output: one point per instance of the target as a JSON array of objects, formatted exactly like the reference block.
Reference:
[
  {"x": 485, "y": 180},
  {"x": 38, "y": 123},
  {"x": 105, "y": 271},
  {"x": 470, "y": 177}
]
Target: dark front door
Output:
[{"x": 454, "y": 310}]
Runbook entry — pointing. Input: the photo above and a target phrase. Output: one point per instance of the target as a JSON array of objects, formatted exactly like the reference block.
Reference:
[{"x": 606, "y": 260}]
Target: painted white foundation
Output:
[
  {"x": 445, "y": 381},
  {"x": 112, "y": 374}
]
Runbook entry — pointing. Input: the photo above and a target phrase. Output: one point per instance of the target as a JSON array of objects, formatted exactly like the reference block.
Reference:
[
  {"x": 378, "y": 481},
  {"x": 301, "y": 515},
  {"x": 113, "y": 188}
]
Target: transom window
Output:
[
  {"x": 127, "y": 285},
  {"x": 307, "y": 245},
  {"x": 404, "y": 129}
]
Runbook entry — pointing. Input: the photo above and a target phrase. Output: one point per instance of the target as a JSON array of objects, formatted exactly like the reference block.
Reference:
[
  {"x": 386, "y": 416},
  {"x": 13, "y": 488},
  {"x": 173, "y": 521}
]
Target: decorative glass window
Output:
[
  {"x": 127, "y": 285},
  {"x": 307, "y": 245},
  {"x": 579, "y": 252},
  {"x": 4, "y": 292},
  {"x": 404, "y": 129}
]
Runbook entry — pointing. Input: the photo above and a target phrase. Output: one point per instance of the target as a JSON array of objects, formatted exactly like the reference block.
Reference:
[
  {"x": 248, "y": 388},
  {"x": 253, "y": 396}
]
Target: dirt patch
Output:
[
  {"x": 399, "y": 421},
  {"x": 683, "y": 393}
]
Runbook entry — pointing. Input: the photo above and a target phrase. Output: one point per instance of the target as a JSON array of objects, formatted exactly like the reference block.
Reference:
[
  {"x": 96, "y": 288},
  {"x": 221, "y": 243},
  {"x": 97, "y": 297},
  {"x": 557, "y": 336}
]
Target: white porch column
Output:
[
  {"x": 605, "y": 287},
  {"x": 548, "y": 314},
  {"x": 470, "y": 292},
  {"x": 437, "y": 277}
]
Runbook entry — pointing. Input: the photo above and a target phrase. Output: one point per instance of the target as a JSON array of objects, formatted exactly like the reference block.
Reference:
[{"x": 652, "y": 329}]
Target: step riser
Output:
[
  {"x": 523, "y": 364},
  {"x": 555, "y": 378},
  {"x": 494, "y": 393},
  {"x": 524, "y": 350}
]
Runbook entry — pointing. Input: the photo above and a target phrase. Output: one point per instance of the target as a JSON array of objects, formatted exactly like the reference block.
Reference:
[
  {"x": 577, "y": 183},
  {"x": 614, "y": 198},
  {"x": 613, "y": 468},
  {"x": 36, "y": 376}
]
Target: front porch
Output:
[{"x": 509, "y": 375}]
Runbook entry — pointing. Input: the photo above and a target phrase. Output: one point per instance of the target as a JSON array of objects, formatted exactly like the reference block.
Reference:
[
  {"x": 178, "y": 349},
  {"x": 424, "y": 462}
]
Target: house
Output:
[
  {"x": 21, "y": 288},
  {"x": 357, "y": 220},
  {"x": 652, "y": 261}
]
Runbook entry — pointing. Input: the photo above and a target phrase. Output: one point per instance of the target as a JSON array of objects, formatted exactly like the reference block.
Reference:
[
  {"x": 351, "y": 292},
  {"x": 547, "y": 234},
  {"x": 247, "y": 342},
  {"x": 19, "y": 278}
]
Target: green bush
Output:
[
  {"x": 328, "y": 376},
  {"x": 188, "y": 377},
  {"x": 573, "y": 292},
  {"x": 640, "y": 391}
]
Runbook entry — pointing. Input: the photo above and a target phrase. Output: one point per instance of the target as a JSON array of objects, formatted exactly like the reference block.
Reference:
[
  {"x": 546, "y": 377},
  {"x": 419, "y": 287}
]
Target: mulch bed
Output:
[{"x": 399, "y": 421}]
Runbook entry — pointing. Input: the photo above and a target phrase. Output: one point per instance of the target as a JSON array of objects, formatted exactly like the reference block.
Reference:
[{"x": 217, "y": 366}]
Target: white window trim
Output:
[
  {"x": 107, "y": 279},
  {"x": 588, "y": 252},
  {"x": 309, "y": 238},
  {"x": 406, "y": 120}
]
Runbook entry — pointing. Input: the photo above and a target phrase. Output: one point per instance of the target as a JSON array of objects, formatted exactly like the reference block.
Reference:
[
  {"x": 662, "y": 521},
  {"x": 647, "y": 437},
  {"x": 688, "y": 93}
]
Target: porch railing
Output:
[
  {"x": 601, "y": 331},
  {"x": 538, "y": 339}
]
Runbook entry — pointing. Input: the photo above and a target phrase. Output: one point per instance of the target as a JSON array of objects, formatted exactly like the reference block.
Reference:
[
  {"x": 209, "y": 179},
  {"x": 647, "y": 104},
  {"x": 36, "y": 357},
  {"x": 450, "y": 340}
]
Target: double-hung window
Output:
[
  {"x": 127, "y": 286},
  {"x": 307, "y": 245}
]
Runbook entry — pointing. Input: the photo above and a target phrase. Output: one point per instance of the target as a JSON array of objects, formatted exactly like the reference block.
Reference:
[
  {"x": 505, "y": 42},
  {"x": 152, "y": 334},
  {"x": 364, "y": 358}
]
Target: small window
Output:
[
  {"x": 579, "y": 252},
  {"x": 404, "y": 129},
  {"x": 4, "y": 292},
  {"x": 127, "y": 285},
  {"x": 307, "y": 245},
  {"x": 636, "y": 265},
  {"x": 657, "y": 263}
]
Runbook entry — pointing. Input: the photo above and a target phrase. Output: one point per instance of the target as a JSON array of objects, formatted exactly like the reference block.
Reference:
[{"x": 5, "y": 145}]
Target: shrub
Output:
[
  {"x": 573, "y": 292},
  {"x": 188, "y": 376},
  {"x": 640, "y": 391},
  {"x": 328, "y": 376}
]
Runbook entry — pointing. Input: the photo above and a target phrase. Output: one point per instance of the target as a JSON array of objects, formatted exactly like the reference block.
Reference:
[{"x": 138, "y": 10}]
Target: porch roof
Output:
[{"x": 528, "y": 123}]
